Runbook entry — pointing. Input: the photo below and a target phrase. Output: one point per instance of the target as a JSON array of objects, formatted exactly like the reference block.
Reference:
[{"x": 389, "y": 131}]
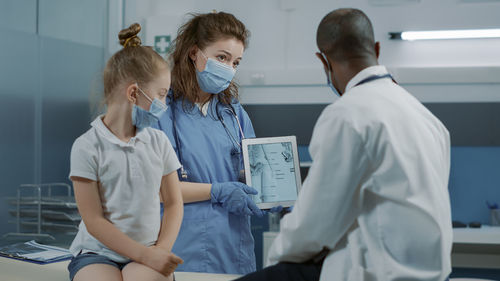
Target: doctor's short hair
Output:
[
  {"x": 202, "y": 30},
  {"x": 346, "y": 34},
  {"x": 133, "y": 63}
]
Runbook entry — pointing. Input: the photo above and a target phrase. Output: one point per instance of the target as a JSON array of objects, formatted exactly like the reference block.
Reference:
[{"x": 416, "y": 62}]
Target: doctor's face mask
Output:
[
  {"x": 216, "y": 76},
  {"x": 328, "y": 78}
]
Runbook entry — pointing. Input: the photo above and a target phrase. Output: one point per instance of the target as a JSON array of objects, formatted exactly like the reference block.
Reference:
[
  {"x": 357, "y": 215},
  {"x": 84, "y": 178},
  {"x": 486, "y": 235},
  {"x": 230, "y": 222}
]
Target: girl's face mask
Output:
[
  {"x": 142, "y": 118},
  {"x": 216, "y": 76}
]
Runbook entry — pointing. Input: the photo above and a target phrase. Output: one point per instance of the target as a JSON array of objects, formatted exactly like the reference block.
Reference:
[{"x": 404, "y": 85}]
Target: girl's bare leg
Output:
[
  {"x": 136, "y": 271},
  {"x": 98, "y": 272}
]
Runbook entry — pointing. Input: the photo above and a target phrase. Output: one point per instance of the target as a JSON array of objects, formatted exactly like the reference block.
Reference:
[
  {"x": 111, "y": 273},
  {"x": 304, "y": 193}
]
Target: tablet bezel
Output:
[{"x": 248, "y": 176}]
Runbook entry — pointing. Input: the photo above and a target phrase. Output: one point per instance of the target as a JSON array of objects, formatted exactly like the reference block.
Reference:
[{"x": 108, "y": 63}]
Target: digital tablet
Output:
[{"x": 272, "y": 168}]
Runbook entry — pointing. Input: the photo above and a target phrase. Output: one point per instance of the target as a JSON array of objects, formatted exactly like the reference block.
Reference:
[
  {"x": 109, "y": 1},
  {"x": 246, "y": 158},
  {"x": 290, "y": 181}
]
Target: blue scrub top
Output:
[{"x": 210, "y": 239}]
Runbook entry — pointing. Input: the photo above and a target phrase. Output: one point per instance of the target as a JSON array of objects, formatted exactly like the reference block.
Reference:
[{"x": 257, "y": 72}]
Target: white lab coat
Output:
[{"x": 376, "y": 194}]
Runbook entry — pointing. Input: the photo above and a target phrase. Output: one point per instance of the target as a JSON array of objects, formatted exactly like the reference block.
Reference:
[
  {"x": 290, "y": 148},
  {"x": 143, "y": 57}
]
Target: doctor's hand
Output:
[
  {"x": 235, "y": 198},
  {"x": 161, "y": 260}
]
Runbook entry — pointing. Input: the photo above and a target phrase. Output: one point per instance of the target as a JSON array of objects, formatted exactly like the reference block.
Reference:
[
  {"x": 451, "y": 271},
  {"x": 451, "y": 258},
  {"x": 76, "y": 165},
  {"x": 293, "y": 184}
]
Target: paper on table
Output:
[
  {"x": 45, "y": 255},
  {"x": 35, "y": 252}
]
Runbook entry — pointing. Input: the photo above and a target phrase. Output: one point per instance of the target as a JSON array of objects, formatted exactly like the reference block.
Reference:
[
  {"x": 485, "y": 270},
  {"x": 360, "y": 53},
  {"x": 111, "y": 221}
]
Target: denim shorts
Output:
[{"x": 82, "y": 260}]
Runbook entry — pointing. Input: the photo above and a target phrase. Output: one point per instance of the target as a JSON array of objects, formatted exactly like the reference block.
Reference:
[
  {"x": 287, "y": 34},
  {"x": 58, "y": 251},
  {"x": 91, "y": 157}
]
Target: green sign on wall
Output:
[{"x": 162, "y": 44}]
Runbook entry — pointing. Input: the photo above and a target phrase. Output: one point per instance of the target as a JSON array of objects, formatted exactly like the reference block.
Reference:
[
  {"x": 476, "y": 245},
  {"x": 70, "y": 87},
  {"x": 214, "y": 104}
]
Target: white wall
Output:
[
  {"x": 77, "y": 21},
  {"x": 280, "y": 67}
]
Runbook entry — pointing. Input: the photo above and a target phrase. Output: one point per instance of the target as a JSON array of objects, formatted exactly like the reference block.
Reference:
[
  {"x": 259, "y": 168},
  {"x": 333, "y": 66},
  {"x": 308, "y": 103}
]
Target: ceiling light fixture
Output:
[{"x": 445, "y": 34}]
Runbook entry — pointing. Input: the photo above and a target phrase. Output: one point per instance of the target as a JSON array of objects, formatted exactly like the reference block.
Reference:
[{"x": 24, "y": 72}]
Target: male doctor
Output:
[{"x": 375, "y": 203}]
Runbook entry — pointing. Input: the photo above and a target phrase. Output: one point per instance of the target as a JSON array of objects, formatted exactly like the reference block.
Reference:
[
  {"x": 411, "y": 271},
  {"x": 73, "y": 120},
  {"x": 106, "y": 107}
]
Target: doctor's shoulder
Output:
[
  {"x": 342, "y": 108},
  {"x": 357, "y": 105},
  {"x": 341, "y": 115}
]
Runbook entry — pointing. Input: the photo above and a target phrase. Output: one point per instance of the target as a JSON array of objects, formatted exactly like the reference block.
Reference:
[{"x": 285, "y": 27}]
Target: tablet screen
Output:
[{"x": 272, "y": 171}]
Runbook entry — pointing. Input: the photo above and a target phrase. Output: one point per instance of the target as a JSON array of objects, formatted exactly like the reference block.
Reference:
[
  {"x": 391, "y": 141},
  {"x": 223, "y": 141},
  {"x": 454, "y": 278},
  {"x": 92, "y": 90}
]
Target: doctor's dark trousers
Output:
[{"x": 309, "y": 271}]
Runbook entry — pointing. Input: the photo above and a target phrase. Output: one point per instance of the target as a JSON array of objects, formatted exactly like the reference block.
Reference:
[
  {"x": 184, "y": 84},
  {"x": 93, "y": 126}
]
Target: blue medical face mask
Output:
[
  {"x": 330, "y": 84},
  {"x": 329, "y": 80},
  {"x": 142, "y": 118},
  {"x": 216, "y": 76}
]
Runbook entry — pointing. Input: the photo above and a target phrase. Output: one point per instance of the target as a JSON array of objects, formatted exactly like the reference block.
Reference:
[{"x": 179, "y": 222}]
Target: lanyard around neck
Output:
[{"x": 373, "y": 78}]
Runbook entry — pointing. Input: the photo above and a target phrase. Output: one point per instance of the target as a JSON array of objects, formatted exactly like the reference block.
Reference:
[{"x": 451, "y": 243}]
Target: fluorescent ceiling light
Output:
[
  {"x": 391, "y": 2},
  {"x": 446, "y": 34}
]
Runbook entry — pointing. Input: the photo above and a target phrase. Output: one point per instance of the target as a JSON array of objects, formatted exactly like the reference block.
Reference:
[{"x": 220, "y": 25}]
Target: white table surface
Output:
[
  {"x": 14, "y": 270},
  {"x": 473, "y": 247},
  {"x": 476, "y": 247},
  {"x": 484, "y": 235}
]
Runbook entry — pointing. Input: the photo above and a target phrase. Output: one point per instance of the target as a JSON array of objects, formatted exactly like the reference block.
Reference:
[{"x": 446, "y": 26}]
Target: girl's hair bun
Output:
[{"x": 128, "y": 36}]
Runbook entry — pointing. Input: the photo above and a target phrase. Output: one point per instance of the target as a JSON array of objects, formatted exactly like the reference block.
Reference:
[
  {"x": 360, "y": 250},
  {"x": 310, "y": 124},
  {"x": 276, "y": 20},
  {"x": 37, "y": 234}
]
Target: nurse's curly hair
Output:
[
  {"x": 133, "y": 63},
  {"x": 200, "y": 31}
]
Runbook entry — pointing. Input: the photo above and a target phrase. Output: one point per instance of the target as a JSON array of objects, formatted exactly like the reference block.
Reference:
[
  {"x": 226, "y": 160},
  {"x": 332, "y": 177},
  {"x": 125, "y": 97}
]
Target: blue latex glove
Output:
[{"x": 234, "y": 197}]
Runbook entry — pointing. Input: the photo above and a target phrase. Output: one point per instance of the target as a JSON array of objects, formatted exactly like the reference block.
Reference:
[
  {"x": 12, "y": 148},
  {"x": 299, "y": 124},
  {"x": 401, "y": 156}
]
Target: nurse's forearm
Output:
[{"x": 195, "y": 192}]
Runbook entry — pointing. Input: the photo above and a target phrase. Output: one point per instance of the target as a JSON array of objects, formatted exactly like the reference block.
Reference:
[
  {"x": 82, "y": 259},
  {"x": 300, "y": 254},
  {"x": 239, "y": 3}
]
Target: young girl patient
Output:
[{"x": 119, "y": 167}]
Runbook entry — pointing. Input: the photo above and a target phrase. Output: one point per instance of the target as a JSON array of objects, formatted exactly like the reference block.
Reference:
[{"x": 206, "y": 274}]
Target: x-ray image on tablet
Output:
[{"x": 272, "y": 168}]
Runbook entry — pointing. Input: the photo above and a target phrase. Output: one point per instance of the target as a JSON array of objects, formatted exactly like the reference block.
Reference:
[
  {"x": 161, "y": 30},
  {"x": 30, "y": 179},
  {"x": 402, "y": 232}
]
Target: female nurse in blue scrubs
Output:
[{"x": 205, "y": 124}]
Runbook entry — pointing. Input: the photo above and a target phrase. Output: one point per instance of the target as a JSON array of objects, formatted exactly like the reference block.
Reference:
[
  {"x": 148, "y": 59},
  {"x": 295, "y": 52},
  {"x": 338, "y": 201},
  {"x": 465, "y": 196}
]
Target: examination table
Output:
[{"x": 14, "y": 270}]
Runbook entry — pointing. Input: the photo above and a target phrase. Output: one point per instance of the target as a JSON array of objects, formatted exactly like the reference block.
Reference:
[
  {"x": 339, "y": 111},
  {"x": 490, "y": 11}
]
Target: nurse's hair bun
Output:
[{"x": 128, "y": 36}]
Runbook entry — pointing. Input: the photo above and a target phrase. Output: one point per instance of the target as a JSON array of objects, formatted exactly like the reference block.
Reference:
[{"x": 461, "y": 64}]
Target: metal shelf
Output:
[
  {"x": 55, "y": 201},
  {"x": 43, "y": 210},
  {"x": 51, "y": 226},
  {"x": 49, "y": 215}
]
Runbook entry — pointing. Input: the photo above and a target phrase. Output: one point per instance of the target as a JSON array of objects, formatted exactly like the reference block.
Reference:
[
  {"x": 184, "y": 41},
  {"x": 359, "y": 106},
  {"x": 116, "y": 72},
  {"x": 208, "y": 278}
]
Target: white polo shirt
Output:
[{"x": 129, "y": 178}]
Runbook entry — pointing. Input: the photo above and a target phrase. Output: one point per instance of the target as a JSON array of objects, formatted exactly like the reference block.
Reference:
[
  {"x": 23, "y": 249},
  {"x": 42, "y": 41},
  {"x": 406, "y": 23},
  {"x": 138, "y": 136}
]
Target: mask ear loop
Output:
[
  {"x": 142, "y": 92},
  {"x": 206, "y": 58},
  {"x": 328, "y": 68},
  {"x": 329, "y": 76},
  {"x": 158, "y": 103}
]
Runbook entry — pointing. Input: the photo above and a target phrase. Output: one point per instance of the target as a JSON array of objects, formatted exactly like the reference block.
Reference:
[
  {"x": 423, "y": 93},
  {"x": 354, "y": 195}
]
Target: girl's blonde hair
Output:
[{"x": 134, "y": 63}]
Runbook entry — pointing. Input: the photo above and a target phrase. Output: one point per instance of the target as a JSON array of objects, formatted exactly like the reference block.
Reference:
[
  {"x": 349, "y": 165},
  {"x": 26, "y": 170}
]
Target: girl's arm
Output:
[
  {"x": 89, "y": 205},
  {"x": 173, "y": 211}
]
